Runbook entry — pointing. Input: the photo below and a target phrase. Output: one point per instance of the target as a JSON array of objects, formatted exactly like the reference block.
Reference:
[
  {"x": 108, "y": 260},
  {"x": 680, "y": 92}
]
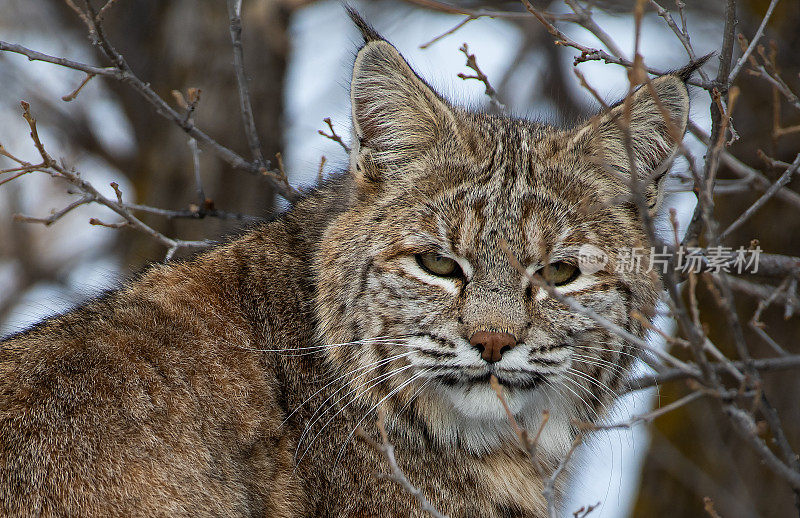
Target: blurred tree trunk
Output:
[
  {"x": 181, "y": 44},
  {"x": 722, "y": 466}
]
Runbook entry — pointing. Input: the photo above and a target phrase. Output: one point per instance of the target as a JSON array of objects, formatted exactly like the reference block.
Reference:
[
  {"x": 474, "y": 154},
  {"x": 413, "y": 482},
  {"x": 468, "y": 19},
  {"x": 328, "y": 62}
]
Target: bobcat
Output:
[{"x": 232, "y": 384}]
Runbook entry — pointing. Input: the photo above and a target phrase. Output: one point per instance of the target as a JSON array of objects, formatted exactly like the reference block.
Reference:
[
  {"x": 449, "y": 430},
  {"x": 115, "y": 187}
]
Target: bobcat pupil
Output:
[
  {"x": 560, "y": 273},
  {"x": 439, "y": 265}
]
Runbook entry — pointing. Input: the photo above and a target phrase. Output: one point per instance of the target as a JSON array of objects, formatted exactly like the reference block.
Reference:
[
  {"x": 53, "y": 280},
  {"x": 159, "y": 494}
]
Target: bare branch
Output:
[
  {"x": 747, "y": 429},
  {"x": 745, "y": 171},
  {"x": 708, "y": 506},
  {"x": 72, "y": 95},
  {"x": 765, "y": 365},
  {"x": 591, "y": 54},
  {"x": 480, "y": 76},
  {"x": 91, "y": 195},
  {"x": 586, "y": 21},
  {"x": 33, "y": 55},
  {"x": 56, "y": 215},
  {"x": 681, "y": 34},
  {"x": 387, "y": 450},
  {"x": 460, "y": 24},
  {"x": 648, "y": 417},
  {"x": 333, "y": 136},
  {"x": 746, "y": 54},
  {"x": 528, "y": 444},
  {"x": 784, "y": 179},
  {"x": 442, "y": 7},
  {"x": 549, "y": 484},
  {"x": 235, "y": 15},
  {"x": 122, "y": 72},
  {"x": 584, "y": 511}
]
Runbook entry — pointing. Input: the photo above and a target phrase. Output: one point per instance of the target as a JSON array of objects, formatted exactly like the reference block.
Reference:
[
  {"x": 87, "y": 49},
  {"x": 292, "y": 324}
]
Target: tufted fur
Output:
[{"x": 231, "y": 384}]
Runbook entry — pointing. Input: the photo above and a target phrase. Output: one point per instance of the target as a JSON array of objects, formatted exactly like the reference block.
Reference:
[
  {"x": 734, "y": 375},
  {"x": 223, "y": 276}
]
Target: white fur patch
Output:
[
  {"x": 581, "y": 283},
  {"x": 473, "y": 417},
  {"x": 477, "y": 422}
]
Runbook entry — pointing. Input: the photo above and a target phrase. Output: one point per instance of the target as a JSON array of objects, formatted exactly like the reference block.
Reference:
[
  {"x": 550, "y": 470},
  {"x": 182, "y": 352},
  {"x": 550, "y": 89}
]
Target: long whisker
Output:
[
  {"x": 605, "y": 349},
  {"x": 323, "y": 409},
  {"x": 311, "y": 349},
  {"x": 598, "y": 362},
  {"x": 416, "y": 394},
  {"x": 369, "y": 412},
  {"x": 603, "y": 365},
  {"x": 597, "y": 383},
  {"x": 603, "y": 406},
  {"x": 597, "y": 346},
  {"x": 586, "y": 404},
  {"x": 369, "y": 367},
  {"x": 380, "y": 379},
  {"x": 598, "y": 359}
]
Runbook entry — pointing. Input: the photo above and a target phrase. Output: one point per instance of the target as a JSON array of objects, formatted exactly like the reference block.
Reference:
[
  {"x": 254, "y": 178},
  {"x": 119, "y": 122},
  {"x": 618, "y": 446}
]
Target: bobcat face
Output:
[{"x": 418, "y": 296}]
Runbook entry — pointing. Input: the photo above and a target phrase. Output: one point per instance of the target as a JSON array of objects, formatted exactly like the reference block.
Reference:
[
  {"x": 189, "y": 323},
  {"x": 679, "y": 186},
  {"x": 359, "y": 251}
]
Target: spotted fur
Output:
[{"x": 232, "y": 384}]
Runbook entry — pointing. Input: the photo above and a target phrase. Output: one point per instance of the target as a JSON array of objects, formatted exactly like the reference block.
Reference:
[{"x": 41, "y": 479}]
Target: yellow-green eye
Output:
[
  {"x": 560, "y": 273},
  {"x": 436, "y": 264}
]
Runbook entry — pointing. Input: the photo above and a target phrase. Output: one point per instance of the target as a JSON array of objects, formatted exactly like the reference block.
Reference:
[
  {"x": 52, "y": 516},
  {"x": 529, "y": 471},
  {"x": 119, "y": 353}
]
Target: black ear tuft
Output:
[
  {"x": 686, "y": 72},
  {"x": 366, "y": 29}
]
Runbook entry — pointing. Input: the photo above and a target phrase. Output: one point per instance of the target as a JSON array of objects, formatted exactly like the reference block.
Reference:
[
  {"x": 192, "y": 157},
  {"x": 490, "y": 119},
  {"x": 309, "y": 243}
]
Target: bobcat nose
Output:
[{"x": 492, "y": 345}]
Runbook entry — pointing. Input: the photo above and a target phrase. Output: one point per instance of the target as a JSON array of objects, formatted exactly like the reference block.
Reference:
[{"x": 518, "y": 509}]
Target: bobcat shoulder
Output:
[{"x": 233, "y": 383}]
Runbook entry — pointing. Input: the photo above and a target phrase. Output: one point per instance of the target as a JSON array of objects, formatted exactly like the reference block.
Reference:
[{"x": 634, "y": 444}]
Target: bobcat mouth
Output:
[{"x": 522, "y": 380}]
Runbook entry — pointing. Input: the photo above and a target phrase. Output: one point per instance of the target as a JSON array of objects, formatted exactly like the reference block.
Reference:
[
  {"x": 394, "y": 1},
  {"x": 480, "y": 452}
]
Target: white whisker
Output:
[
  {"x": 380, "y": 379},
  {"x": 369, "y": 412},
  {"x": 313, "y": 349},
  {"x": 368, "y": 368}
]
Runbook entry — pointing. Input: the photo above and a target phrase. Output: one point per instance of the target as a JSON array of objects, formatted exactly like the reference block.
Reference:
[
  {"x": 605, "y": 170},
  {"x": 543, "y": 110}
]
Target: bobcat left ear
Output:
[
  {"x": 654, "y": 140},
  {"x": 396, "y": 115}
]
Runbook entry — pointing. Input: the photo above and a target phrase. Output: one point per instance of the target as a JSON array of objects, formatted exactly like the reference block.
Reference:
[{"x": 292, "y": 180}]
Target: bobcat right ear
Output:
[
  {"x": 653, "y": 140},
  {"x": 396, "y": 115}
]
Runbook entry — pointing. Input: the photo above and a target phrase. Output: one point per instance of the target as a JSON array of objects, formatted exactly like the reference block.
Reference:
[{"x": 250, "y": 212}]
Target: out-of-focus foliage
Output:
[{"x": 693, "y": 452}]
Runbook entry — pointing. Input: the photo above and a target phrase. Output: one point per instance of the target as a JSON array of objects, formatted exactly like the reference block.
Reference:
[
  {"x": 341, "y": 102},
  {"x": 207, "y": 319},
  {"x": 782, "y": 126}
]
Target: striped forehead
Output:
[
  {"x": 473, "y": 220},
  {"x": 517, "y": 193}
]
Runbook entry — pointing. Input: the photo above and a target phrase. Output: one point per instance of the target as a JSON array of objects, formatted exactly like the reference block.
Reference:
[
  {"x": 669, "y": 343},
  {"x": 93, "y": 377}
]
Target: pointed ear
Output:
[
  {"x": 654, "y": 140},
  {"x": 396, "y": 115}
]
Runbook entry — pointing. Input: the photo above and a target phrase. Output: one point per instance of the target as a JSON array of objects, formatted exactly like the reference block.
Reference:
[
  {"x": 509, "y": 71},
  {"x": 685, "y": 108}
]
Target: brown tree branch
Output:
[
  {"x": 235, "y": 14},
  {"x": 396, "y": 474},
  {"x": 480, "y": 76},
  {"x": 91, "y": 195},
  {"x": 122, "y": 72}
]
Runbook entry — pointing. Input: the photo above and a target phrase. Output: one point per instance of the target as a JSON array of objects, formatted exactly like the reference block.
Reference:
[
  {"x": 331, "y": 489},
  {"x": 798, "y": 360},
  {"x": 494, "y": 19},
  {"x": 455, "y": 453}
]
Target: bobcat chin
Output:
[{"x": 233, "y": 383}]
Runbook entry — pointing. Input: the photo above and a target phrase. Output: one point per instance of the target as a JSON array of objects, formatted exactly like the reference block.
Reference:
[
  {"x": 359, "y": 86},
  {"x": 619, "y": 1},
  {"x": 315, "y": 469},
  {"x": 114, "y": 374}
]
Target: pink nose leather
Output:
[{"x": 492, "y": 344}]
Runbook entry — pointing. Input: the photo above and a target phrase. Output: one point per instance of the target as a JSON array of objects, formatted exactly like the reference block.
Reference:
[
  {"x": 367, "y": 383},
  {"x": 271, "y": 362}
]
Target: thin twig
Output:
[
  {"x": 333, "y": 136},
  {"x": 235, "y": 15},
  {"x": 480, "y": 76},
  {"x": 763, "y": 364},
  {"x": 387, "y": 450},
  {"x": 72, "y": 95},
  {"x": 592, "y": 54},
  {"x": 648, "y": 417},
  {"x": 746, "y": 54},
  {"x": 91, "y": 195},
  {"x": 443, "y": 7},
  {"x": 460, "y": 24},
  {"x": 682, "y": 35},
  {"x": 784, "y": 179},
  {"x": 528, "y": 444},
  {"x": 586, "y": 21},
  {"x": 126, "y": 75},
  {"x": 549, "y": 484}
]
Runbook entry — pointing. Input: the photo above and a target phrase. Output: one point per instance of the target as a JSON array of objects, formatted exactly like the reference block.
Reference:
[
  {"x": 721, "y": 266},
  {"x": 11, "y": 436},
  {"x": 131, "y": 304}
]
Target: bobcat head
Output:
[{"x": 418, "y": 299}]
